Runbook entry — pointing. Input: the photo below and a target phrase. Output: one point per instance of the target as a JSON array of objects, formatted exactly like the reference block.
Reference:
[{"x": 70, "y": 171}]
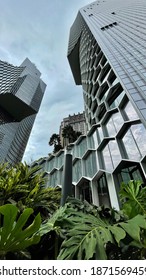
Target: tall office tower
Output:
[
  {"x": 78, "y": 123},
  {"x": 107, "y": 55},
  {"x": 21, "y": 92}
]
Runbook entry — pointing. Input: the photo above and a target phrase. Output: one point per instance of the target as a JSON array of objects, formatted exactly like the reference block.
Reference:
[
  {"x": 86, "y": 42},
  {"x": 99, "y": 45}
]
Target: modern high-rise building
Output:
[
  {"x": 107, "y": 56},
  {"x": 78, "y": 123},
  {"x": 21, "y": 92}
]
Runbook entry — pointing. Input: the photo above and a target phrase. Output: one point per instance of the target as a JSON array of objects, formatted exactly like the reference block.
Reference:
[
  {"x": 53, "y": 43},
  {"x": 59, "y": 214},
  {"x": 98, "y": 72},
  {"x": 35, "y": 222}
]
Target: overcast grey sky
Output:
[{"x": 39, "y": 30}]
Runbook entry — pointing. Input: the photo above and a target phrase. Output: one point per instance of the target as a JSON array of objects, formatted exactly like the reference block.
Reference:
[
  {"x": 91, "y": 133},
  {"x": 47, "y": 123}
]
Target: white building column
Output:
[
  {"x": 112, "y": 191},
  {"x": 95, "y": 197}
]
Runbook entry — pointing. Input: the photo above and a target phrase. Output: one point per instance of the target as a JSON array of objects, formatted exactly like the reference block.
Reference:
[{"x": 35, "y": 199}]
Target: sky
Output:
[{"x": 39, "y": 30}]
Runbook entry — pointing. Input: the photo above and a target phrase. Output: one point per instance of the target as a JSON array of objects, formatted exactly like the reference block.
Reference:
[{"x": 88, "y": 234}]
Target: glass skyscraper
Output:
[
  {"x": 21, "y": 92},
  {"x": 107, "y": 56}
]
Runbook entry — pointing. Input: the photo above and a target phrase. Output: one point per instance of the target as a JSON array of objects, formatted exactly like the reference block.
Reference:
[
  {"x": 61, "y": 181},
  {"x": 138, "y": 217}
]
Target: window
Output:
[
  {"x": 130, "y": 111},
  {"x": 90, "y": 167},
  {"x": 111, "y": 155},
  {"x": 100, "y": 135},
  {"x": 77, "y": 171},
  {"x": 130, "y": 173},
  {"x": 103, "y": 191},
  {"x": 134, "y": 142},
  {"x": 114, "y": 124},
  {"x": 107, "y": 159}
]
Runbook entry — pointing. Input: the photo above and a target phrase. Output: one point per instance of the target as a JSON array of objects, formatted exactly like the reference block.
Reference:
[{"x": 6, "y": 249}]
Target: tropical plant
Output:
[
  {"x": 69, "y": 133},
  {"x": 133, "y": 198},
  {"x": 55, "y": 140},
  {"x": 25, "y": 186},
  {"x": 15, "y": 235},
  {"x": 89, "y": 232}
]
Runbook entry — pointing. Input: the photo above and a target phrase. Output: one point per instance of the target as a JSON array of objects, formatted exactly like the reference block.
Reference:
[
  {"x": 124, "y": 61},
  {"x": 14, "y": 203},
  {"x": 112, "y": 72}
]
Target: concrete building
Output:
[
  {"x": 21, "y": 92},
  {"x": 107, "y": 56},
  {"x": 78, "y": 123}
]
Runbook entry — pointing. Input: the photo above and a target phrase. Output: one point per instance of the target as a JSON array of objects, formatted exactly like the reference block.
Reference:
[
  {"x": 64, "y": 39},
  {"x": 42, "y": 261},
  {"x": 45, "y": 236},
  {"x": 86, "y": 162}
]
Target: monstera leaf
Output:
[
  {"x": 133, "y": 196},
  {"x": 14, "y": 234},
  {"x": 88, "y": 236}
]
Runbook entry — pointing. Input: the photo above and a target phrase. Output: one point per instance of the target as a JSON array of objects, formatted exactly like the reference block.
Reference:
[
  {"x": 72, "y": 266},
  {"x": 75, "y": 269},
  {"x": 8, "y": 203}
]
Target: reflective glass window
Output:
[
  {"x": 91, "y": 144},
  {"x": 99, "y": 134},
  {"x": 130, "y": 111},
  {"x": 117, "y": 100},
  {"x": 110, "y": 127},
  {"x": 115, "y": 153},
  {"x": 118, "y": 120},
  {"x": 107, "y": 159},
  {"x": 131, "y": 146},
  {"x": 114, "y": 124},
  {"x": 60, "y": 160},
  {"x": 90, "y": 167},
  {"x": 82, "y": 147},
  {"x": 139, "y": 134},
  {"x": 54, "y": 179},
  {"x": 77, "y": 171}
]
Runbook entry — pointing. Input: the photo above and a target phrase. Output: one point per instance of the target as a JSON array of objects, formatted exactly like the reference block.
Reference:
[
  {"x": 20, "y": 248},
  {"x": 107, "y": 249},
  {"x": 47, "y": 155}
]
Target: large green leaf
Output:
[
  {"x": 14, "y": 234},
  {"x": 133, "y": 197},
  {"x": 87, "y": 237},
  {"x": 133, "y": 227}
]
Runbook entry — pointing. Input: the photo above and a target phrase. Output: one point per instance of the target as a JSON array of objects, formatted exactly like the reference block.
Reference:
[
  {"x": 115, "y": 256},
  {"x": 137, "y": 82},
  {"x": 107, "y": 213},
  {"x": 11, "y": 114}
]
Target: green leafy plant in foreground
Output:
[
  {"x": 15, "y": 236},
  {"x": 133, "y": 198},
  {"x": 24, "y": 186},
  {"x": 90, "y": 232}
]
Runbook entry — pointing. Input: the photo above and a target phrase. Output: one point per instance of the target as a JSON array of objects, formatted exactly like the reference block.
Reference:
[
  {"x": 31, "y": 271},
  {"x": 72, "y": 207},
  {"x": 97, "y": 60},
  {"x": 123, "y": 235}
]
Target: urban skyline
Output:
[{"x": 39, "y": 30}]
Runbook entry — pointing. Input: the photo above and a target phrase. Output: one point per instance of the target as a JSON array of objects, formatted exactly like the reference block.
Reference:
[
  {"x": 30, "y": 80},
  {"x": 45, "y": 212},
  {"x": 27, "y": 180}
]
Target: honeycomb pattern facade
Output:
[
  {"x": 107, "y": 55},
  {"x": 21, "y": 92}
]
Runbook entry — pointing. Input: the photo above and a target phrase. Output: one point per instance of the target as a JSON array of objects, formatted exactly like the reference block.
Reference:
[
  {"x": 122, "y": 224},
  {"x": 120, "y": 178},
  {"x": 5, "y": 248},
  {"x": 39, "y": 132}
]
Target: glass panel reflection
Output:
[
  {"x": 130, "y": 111},
  {"x": 91, "y": 142},
  {"x": 139, "y": 134},
  {"x": 100, "y": 134},
  {"x": 77, "y": 171},
  {"x": 90, "y": 165},
  {"x": 114, "y": 124},
  {"x": 82, "y": 147},
  {"x": 115, "y": 153},
  {"x": 107, "y": 159},
  {"x": 130, "y": 146}
]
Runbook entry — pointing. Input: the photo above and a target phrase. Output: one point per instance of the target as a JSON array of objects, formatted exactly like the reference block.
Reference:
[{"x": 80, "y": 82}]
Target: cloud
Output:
[{"x": 39, "y": 30}]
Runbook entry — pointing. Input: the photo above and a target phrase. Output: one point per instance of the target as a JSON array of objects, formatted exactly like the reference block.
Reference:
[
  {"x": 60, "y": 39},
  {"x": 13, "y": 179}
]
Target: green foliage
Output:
[
  {"x": 90, "y": 232},
  {"x": 133, "y": 198},
  {"x": 16, "y": 182},
  {"x": 55, "y": 140},
  {"x": 25, "y": 186},
  {"x": 69, "y": 133},
  {"x": 78, "y": 230},
  {"x": 14, "y": 234}
]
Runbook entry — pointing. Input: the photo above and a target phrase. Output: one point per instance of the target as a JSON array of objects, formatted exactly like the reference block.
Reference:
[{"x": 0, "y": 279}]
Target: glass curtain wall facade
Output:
[
  {"x": 21, "y": 93},
  {"x": 107, "y": 56}
]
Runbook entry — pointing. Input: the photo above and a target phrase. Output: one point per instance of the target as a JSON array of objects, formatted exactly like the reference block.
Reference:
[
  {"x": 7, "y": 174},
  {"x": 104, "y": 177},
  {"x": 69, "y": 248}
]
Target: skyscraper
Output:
[
  {"x": 21, "y": 92},
  {"x": 107, "y": 56}
]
